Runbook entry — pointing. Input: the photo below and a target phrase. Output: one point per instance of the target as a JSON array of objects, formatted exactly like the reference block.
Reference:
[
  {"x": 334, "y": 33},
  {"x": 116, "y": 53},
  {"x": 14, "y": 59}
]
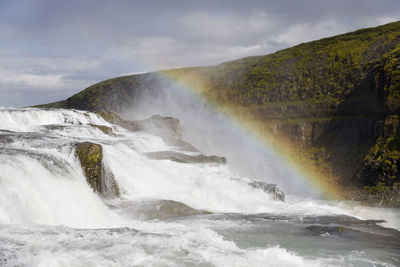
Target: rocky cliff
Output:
[{"x": 335, "y": 102}]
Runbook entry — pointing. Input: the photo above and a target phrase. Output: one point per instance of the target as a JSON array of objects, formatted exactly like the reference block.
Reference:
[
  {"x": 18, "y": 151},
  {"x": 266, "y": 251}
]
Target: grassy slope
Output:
[{"x": 331, "y": 100}]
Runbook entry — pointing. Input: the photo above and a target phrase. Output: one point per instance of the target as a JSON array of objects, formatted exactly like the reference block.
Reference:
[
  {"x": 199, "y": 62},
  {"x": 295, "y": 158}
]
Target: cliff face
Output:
[{"x": 331, "y": 99}]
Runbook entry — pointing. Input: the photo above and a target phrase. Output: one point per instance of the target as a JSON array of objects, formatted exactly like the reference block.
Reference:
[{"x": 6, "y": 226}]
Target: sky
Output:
[{"x": 51, "y": 49}]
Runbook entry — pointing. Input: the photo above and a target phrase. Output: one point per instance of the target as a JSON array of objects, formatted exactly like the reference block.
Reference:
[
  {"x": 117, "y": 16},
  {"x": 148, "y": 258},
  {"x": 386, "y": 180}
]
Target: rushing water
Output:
[{"x": 49, "y": 215}]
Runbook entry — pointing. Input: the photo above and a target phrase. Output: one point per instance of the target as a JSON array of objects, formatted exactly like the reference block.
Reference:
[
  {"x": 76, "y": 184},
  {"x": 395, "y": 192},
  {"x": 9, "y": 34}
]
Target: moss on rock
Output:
[
  {"x": 90, "y": 156},
  {"x": 381, "y": 169}
]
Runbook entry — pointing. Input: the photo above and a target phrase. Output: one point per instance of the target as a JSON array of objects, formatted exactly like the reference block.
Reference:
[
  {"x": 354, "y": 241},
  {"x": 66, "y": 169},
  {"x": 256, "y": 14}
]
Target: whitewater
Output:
[{"x": 169, "y": 213}]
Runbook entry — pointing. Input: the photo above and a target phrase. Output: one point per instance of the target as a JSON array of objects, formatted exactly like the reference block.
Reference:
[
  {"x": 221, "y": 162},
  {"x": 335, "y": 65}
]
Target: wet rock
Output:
[
  {"x": 110, "y": 116},
  {"x": 184, "y": 146},
  {"x": 90, "y": 156},
  {"x": 184, "y": 158},
  {"x": 167, "y": 128},
  {"x": 55, "y": 127},
  {"x": 114, "y": 118},
  {"x": 271, "y": 189},
  {"x": 170, "y": 208},
  {"x": 156, "y": 209},
  {"x": 47, "y": 160},
  {"x": 339, "y": 219},
  {"x": 105, "y": 129},
  {"x": 110, "y": 188},
  {"x": 323, "y": 230},
  {"x": 5, "y": 139}
]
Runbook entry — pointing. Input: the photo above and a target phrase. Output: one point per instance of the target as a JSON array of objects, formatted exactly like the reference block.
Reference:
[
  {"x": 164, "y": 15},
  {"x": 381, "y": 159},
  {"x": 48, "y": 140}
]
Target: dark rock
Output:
[
  {"x": 55, "y": 127},
  {"x": 110, "y": 116},
  {"x": 105, "y": 129},
  {"x": 109, "y": 186},
  {"x": 339, "y": 220},
  {"x": 5, "y": 139},
  {"x": 170, "y": 208},
  {"x": 156, "y": 209},
  {"x": 271, "y": 189},
  {"x": 90, "y": 156},
  {"x": 184, "y": 158},
  {"x": 167, "y": 128},
  {"x": 322, "y": 230},
  {"x": 184, "y": 146}
]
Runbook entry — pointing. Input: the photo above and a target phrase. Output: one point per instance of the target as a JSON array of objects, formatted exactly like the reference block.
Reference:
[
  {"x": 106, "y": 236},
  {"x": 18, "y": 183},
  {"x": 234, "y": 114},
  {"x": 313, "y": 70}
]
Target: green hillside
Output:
[{"x": 335, "y": 100}]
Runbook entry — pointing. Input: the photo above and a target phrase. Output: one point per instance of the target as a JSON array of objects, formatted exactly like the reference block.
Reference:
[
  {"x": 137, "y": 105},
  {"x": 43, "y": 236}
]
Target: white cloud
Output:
[
  {"x": 44, "y": 81},
  {"x": 381, "y": 20},
  {"x": 227, "y": 29},
  {"x": 51, "y": 47},
  {"x": 306, "y": 32},
  {"x": 159, "y": 53}
]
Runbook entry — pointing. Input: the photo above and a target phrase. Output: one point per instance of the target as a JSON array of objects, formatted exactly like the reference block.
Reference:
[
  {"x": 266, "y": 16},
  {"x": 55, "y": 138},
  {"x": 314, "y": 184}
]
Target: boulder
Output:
[
  {"x": 164, "y": 209},
  {"x": 155, "y": 209},
  {"x": 272, "y": 189},
  {"x": 90, "y": 156}
]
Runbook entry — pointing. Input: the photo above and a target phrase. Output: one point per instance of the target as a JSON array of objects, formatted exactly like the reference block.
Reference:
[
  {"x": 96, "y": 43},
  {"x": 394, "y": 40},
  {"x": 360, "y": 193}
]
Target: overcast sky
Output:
[{"x": 50, "y": 49}]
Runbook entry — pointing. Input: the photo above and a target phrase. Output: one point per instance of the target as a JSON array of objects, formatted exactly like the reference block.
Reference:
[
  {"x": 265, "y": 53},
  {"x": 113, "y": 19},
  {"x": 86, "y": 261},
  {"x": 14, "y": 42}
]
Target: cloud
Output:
[
  {"x": 45, "y": 81},
  {"x": 380, "y": 20},
  {"x": 304, "y": 32},
  {"x": 53, "y": 48},
  {"x": 230, "y": 29}
]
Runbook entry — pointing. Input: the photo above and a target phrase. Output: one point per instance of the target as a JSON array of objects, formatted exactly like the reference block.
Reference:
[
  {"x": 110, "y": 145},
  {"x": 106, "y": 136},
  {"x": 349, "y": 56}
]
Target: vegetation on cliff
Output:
[
  {"x": 331, "y": 99},
  {"x": 382, "y": 165}
]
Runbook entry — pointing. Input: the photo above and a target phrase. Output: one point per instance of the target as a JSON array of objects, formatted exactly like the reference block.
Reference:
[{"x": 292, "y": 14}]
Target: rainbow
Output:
[{"x": 192, "y": 83}]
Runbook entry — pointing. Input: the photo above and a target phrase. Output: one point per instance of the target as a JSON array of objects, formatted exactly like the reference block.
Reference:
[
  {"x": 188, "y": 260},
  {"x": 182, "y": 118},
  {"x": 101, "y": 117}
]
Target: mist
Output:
[{"x": 215, "y": 133}]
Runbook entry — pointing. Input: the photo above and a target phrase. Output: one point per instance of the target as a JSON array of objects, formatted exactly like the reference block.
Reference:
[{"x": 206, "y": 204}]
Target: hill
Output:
[{"x": 335, "y": 102}]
